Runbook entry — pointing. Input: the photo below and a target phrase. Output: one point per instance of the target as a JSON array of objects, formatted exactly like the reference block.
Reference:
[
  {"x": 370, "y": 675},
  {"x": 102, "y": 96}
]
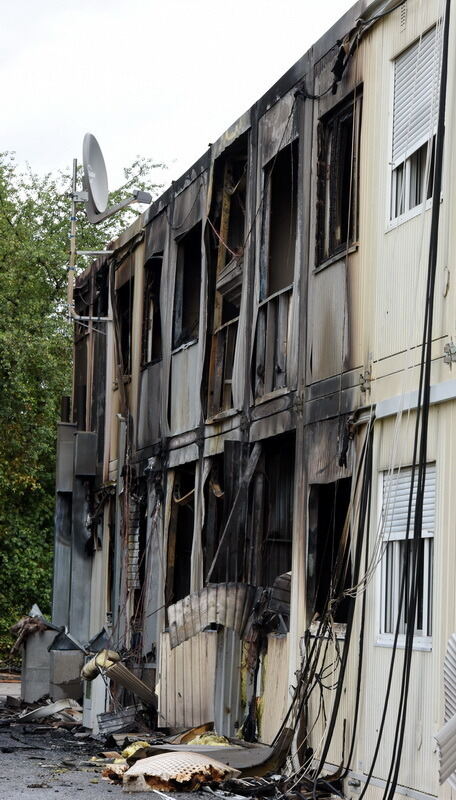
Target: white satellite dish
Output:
[
  {"x": 95, "y": 184},
  {"x": 95, "y": 173}
]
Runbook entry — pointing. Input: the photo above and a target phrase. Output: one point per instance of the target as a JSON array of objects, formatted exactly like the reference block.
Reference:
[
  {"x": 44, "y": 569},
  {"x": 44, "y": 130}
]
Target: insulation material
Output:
[
  {"x": 175, "y": 772},
  {"x": 227, "y": 604},
  {"x": 114, "y": 772}
]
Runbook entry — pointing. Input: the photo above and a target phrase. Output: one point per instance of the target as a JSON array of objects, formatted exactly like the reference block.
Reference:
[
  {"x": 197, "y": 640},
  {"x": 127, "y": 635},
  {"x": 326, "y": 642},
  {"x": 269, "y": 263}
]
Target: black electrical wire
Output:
[
  {"x": 362, "y": 628},
  {"x": 305, "y": 682},
  {"x": 363, "y": 515}
]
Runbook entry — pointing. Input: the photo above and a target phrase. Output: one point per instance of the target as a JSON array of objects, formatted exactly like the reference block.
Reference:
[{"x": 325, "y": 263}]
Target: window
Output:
[
  {"x": 337, "y": 174},
  {"x": 279, "y": 225},
  {"x": 187, "y": 288},
  {"x": 415, "y": 110},
  {"x": 396, "y": 492},
  {"x": 152, "y": 338}
]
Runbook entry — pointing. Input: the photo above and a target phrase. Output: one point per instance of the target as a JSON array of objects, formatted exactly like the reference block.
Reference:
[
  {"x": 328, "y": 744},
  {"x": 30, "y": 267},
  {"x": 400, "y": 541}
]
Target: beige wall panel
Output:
[{"x": 276, "y": 697}]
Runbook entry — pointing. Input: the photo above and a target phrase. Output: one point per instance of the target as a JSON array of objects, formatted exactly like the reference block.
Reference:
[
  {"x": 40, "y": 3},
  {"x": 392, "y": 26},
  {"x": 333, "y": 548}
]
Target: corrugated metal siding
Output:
[
  {"x": 149, "y": 403},
  {"x": 187, "y": 680},
  {"x": 184, "y": 390}
]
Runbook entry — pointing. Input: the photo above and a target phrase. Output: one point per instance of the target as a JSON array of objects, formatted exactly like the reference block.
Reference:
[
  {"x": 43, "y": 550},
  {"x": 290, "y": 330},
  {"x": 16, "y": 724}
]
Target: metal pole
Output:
[{"x": 72, "y": 260}]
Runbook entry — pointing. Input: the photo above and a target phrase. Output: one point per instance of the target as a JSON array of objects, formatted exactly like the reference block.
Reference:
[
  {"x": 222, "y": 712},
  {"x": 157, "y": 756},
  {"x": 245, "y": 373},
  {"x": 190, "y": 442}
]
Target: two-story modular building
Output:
[{"x": 234, "y": 480}]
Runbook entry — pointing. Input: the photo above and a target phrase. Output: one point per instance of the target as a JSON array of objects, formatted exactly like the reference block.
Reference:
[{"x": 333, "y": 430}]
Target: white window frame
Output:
[
  {"x": 407, "y": 156},
  {"x": 391, "y": 563}
]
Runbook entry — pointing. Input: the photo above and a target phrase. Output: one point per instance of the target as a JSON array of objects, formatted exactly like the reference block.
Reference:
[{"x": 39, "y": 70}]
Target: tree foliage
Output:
[{"x": 35, "y": 366}]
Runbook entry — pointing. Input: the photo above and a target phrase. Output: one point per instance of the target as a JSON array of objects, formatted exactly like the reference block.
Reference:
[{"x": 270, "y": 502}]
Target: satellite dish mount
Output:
[
  {"x": 95, "y": 185},
  {"x": 95, "y": 196}
]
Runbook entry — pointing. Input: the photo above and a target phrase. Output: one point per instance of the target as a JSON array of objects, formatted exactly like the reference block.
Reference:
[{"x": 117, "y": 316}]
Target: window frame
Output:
[
  {"x": 407, "y": 156},
  {"x": 180, "y": 338},
  {"x": 329, "y": 246},
  {"x": 269, "y": 224},
  {"x": 421, "y": 641}
]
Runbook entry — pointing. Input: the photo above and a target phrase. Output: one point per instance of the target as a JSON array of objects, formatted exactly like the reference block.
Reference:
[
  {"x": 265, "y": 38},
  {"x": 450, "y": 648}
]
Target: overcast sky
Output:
[{"x": 155, "y": 79}]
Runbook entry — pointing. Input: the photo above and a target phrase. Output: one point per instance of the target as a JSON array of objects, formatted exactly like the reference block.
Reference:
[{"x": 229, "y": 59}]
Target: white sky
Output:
[{"x": 156, "y": 79}]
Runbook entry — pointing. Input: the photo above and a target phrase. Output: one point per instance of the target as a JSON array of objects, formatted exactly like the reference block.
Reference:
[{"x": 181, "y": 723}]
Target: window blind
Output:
[
  {"x": 416, "y": 85},
  {"x": 396, "y": 491}
]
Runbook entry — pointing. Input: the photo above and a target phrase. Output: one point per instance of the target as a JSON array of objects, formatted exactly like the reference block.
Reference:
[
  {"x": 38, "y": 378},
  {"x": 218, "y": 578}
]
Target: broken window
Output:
[
  {"x": 276, "y": 273},
  {"x": 279, "y": 221},
  {"x": 187, "y": 288},
  {"x": 226, "y": 267},
  {"x": 395, "y": 502},
  {"x": 329, "y": 570},
  {"x": 152, "y": 335},
  {"x": 415, "y": 110},
  {"x": 249, "y": 512},
  {"x": 271, "y": 511},
  {"x": 180, "y": 535},
  {"x": 337, "y": 175},
  {"x": 124, "y": 300}
]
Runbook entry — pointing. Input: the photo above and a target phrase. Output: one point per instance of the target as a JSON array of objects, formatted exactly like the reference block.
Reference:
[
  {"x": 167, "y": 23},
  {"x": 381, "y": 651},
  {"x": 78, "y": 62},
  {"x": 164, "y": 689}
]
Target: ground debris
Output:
[{"x": 172, "y": 772}]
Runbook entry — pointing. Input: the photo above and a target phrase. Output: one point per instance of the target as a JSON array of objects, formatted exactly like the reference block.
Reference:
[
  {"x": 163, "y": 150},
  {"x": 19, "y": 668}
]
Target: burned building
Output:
[{"x": 234, "y": 480}]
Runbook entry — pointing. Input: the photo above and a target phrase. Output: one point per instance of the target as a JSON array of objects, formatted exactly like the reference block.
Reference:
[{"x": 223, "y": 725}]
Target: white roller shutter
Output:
[
  {"x": 396, "y": 492},
  {"x": 416, "y": 84}
]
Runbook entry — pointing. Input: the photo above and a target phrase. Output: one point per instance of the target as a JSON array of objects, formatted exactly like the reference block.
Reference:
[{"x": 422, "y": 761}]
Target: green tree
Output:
[{"x": 35, "y": 366}]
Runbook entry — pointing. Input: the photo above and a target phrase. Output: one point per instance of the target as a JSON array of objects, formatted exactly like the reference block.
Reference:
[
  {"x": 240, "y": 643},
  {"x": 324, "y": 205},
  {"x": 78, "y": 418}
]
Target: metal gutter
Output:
[{"x": 440, "y": 393}]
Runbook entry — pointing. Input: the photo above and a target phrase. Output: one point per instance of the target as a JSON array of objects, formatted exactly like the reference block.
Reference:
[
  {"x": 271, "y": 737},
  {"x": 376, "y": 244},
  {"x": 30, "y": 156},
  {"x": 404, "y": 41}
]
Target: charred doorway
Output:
[{"x": 329, "y": 561}]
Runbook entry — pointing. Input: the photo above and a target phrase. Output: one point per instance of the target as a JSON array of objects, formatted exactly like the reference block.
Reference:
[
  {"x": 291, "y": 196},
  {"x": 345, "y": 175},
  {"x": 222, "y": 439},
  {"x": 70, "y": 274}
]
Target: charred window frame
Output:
[
  {"x": 279, "y": 221},
  {"x": 152, "y": 333},
  {"x": 187, "y": 288},
  {"x": 124, "y": 302},
  {"x": 329, "y": 570},
  {"x": 338, "y": 178}
]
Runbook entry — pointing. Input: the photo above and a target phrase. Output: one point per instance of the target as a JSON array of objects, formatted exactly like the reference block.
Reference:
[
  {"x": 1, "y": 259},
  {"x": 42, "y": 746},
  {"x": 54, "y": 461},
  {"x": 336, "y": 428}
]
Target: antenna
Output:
[{"x": 95, "y": 196}]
